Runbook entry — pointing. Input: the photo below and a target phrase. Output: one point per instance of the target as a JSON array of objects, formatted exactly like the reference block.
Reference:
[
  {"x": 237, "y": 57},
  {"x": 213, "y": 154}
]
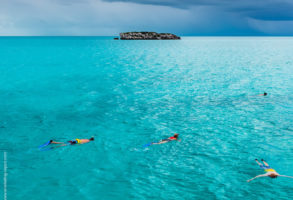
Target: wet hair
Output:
[
  {"x": 176, "y": 135},
  {"x": 273, "y": 175},
  {"x": 72, "y": 142},
  {"x": 92, "y": 139},
  {"x": 51, "y": 141},
  {"x": 265, "y": 94}
]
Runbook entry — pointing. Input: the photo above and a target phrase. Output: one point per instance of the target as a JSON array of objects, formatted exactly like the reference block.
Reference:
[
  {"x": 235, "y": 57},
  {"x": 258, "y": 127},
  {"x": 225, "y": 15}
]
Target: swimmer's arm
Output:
[
  {"x": 262, "y": 175},
  {"x": 286, "y": 176}
]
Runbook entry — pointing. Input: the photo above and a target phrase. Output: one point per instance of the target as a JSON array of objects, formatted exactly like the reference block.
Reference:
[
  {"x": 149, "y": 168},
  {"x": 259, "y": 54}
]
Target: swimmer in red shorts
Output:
[{"x": 169, "y": 139}]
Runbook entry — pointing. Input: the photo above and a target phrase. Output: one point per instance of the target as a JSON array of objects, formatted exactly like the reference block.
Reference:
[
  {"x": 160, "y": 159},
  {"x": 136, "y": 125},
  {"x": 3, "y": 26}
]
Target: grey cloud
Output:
[
  {"x": 270, "y": 11},
  {"x": 88, "y": 18},
  {"x": 277, "y": 28},
  {"x": 109, "y": 17},
  {"x": 261, "y": 9}
]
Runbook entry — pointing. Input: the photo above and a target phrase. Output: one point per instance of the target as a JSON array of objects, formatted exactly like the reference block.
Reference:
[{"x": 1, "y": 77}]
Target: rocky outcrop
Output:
[{"x": 148, "y": 36}]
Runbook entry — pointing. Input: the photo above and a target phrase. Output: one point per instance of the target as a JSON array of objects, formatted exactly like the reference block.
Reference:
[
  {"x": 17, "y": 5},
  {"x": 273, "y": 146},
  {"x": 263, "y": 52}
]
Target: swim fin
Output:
[
  {"x": 147, "y": 145},
  {"x": 46, "y": 144}
]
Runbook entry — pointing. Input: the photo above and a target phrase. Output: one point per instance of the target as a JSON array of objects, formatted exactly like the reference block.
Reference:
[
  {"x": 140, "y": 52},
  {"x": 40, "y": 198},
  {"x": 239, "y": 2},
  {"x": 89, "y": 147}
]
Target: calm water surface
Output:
[{"x": 129, "y": 93}]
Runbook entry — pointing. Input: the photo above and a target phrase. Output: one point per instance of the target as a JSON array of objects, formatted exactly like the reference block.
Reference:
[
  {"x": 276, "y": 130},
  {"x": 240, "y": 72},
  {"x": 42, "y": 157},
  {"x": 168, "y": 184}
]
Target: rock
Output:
[
  {"x": 116, "y": 38},
  {"x": 148, "y": 36}
]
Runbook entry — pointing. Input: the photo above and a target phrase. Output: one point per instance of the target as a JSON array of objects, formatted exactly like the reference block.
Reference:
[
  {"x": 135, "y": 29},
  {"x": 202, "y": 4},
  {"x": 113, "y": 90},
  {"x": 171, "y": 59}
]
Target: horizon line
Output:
[{"x": 118, "y": 36}]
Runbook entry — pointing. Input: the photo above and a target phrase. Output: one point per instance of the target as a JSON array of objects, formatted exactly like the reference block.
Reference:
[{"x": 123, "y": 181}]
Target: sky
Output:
[{"x": 181, "y": 17}]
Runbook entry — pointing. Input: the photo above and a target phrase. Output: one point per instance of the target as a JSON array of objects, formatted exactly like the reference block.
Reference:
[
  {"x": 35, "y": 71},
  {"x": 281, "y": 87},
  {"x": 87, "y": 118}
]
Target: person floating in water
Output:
[
  {"x": 264, "y": 94},
  {"x": 270, "y": 172},
  {"x": 71, "y": 142},
  {"x": 169, "y": 139}
]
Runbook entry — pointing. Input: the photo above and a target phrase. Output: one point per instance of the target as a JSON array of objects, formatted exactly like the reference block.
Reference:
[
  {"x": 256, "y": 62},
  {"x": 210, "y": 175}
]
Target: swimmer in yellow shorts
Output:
[
  {"x": 270, "y": 172},
  {"x": 80, "y": 141},
  {"x": 71, "y": 142}
]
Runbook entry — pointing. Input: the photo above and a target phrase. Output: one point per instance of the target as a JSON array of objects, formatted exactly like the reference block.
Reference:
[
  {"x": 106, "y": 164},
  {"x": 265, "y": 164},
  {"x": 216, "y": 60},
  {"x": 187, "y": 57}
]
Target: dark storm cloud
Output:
[
  {"x": 272, "y": 10},
  {"x": 266, "y": 10},
  {"x": 183, "y": 17}
]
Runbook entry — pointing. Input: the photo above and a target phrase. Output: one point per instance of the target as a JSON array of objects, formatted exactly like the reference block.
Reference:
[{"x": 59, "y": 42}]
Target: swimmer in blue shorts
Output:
[{"x": 270, "y": 172}]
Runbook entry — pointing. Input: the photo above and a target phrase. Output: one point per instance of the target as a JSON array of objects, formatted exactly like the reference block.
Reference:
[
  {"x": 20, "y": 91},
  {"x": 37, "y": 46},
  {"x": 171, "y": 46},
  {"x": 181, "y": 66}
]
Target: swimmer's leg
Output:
[
  {"x": 161, "y": 142},
  {"x": 258, "y": 162},
  {"x": 261, "y": 165},
  {"x": 54, "y": 142},
  {"x": 62, "y": 145},
  {"x": 266, "y": 164},
  {"x": 50, "y": 148}
]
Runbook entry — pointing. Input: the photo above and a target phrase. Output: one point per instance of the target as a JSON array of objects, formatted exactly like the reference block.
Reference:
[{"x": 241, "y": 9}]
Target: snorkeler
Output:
[
  {"x": 270, "y": 172},
  {"x": 80, "y": 141},
  {"x": 264, "y": 94},
  {"x": 174, "y": 137},
  {"x": 71, "y": 142}
]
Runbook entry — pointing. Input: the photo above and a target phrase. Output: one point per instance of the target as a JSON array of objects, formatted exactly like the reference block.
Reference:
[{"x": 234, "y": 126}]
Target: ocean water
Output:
[{"x": 129, "y": 93}]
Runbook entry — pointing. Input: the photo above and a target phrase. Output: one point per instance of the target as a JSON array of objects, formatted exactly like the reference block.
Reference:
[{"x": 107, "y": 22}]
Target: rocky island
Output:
[{"x": 148, "y": 36}]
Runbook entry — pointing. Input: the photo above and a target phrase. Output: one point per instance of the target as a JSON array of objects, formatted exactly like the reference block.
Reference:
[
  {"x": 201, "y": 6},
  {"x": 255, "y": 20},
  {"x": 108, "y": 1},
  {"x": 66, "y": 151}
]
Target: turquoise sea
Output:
[{"x": 130, "y": 93}]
